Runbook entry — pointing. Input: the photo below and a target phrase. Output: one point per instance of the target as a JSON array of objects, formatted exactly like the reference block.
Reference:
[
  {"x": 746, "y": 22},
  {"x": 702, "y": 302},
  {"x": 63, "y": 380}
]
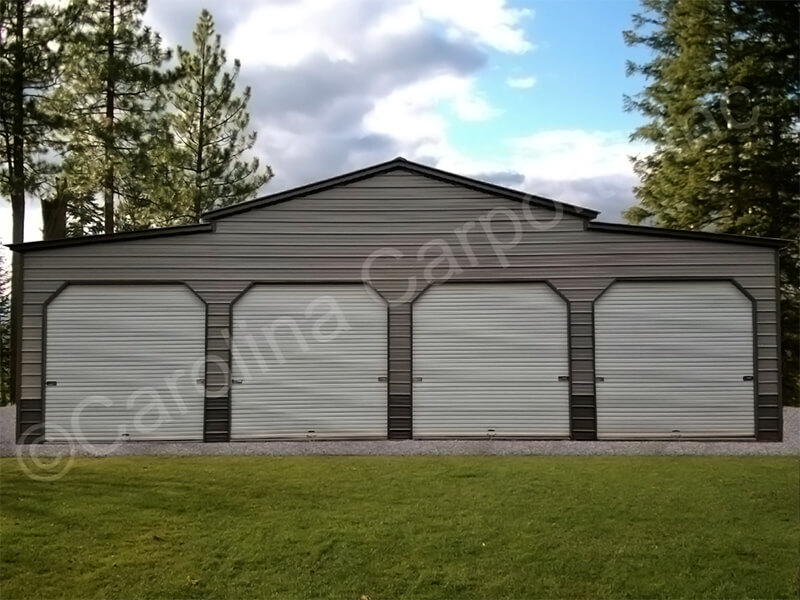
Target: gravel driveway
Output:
[{"x": 790, "y": 446}]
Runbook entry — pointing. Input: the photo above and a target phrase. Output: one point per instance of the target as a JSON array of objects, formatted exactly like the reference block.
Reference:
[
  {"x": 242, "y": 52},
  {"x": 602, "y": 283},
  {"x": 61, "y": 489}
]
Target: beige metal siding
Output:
[
  {"x": 488, "y": 359},
  {"x": 309, "y": 361},
  {"x": 579, "y": 263},
  {"x": 674, "y": 360},
  {"x": 123, "y": 362}
]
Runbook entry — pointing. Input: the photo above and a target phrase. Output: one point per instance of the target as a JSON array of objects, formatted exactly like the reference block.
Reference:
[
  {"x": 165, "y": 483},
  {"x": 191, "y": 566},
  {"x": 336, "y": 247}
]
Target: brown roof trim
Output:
[
  {"x": 112, "y": 237},
  {"x": 682, "y": 233},
  {"x": 406, "y": 165}
]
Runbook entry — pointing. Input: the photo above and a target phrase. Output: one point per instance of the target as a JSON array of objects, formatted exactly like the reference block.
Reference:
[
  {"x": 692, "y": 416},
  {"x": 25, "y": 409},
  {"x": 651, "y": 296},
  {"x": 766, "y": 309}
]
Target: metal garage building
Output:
[{"x": 400, "y": 301}]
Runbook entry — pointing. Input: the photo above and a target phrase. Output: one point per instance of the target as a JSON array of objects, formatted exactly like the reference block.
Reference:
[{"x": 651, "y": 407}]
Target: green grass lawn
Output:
[{"x": 325, "y": 527}]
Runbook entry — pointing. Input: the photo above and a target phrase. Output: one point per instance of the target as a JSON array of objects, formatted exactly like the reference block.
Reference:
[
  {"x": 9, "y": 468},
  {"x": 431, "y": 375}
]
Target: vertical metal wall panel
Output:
[
  {"x": 218, "y": 408},
  {"x": 309, "y": 361},
  {"x": 674, "y": 358},
  {"x": 123, "y": 362},
  {"x": 487, "y": 360},
  {"x": 400, "y": 406}
]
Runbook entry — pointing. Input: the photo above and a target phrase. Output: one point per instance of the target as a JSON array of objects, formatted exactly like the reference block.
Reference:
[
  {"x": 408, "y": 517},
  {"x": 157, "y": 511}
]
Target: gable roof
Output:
[
  {"x": 411, "y": 167},
  {"x": 396, "y": 164}
]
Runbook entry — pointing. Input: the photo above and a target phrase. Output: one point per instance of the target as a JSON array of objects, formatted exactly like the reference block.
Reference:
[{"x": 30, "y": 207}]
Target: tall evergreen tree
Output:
[
  {"x": 113, "y": 95},
  {"x": 28, "y": 70},
  {"x": 210, "y": 122},
  {"x": 153, "y": 201},
  {"x": 32, "y": 38},
  {"x": 722, "y": 108}
]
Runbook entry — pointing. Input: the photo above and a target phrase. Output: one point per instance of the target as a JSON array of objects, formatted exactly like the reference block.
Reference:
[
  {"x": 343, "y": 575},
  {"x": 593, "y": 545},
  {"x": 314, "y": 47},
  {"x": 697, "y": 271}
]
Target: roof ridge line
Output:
[{"x": 408, "y": 165}]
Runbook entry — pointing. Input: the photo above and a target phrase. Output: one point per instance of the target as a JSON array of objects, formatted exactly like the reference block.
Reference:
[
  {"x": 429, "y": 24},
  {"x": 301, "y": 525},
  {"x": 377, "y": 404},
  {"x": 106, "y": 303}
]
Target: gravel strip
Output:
[{"x": 789, "y": 447}]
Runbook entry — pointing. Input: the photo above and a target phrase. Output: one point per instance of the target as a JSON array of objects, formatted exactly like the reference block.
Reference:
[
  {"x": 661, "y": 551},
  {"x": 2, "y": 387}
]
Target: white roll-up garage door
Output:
[
  {"x": 674, "y": 359},
  {"x": 490, "y": 359},
  {"x": 125, "y": 362},
  {"x": 309, "y": 361}
]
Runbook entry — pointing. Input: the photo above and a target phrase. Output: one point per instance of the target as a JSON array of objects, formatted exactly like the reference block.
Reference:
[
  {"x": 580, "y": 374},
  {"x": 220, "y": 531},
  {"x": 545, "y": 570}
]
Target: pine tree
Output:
[
  {"x": 69, "y": 212},
  {"x": 153, "y": 201},
  {"x": 722, "y": 109},
  {"x": 28, "y": 71},
  {"x": 113, "y": 94},
  {"x": 210, "y": 122}
]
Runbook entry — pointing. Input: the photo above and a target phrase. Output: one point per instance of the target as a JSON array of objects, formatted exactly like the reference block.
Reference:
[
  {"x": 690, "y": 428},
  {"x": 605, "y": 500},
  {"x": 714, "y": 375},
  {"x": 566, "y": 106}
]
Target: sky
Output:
[{"x": 523, "y": 93}]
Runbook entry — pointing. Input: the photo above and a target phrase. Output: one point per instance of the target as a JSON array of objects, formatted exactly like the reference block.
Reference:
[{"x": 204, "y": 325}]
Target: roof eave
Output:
[
  {"x": 728, "y": 238},
  {"x": 112, "y": 237}
]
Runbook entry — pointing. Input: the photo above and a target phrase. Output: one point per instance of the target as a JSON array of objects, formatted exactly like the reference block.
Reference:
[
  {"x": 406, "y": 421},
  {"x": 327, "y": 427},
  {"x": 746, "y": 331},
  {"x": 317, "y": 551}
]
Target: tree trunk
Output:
[
  {"x": 54, "y": 215},
  {"x": 108, "y": 184}
]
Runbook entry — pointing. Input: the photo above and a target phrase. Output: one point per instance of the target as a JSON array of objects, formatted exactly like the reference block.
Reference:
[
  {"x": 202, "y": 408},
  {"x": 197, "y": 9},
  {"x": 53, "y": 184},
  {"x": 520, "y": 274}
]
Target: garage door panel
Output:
[
  {"x": 308, "y": 365},
  {"x": 663, "y": 400},
  {"x": 125, "y": 360},
  {"x": 486, "y": 360},
  {"x": 690, "y": 375},
  {"x": 646, "y": 429},
  {"x": 672, "y": 357}
]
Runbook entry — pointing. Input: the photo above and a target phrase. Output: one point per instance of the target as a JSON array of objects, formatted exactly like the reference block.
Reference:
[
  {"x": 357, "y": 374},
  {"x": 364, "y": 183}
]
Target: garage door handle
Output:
[
  {"x": 748, "y": 378},
  {"x": 383, "y": 379},
  {"x": 237, "y": 380},
  {"x": 599, "y": 378},
  {"x": 563, "y": 377},
  {"x": 417, "y": 378},
  {"x": 51, "y": 383}
]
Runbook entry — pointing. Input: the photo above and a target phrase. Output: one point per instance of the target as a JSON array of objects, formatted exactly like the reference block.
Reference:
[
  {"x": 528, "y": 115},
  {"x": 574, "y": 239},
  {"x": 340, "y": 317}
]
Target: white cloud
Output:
[
  {"x": 284, "y": 34},
  {"x": 587, "y": 168},
  {"x": 490, "y": 22},
  {"x": 359, "y": 72},
  {"x": 404, "y": 17},
  {"x": 559, "y": 155},
  {"x": 409, "y": 114},
  {"x": 521, "y": 83},
  {"x": 575, "y": 154}
]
